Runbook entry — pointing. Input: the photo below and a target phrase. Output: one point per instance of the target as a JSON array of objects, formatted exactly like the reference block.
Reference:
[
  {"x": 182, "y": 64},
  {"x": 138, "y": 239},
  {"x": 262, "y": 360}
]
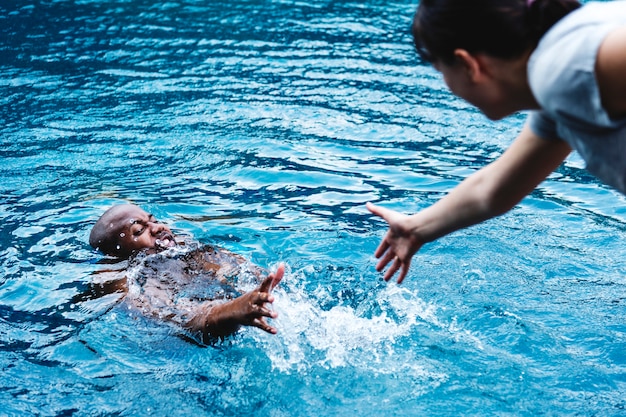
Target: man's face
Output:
[{"x": 137, "y": 230}]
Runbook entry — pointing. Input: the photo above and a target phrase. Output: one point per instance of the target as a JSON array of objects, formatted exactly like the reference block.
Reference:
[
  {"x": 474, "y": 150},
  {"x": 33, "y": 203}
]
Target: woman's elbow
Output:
[{"x": 497, "y": 199}]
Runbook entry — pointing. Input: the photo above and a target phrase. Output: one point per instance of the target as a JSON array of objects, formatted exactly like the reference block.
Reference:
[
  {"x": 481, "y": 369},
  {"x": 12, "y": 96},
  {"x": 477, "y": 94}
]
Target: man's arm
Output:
[{"x": 250, "y": 309}]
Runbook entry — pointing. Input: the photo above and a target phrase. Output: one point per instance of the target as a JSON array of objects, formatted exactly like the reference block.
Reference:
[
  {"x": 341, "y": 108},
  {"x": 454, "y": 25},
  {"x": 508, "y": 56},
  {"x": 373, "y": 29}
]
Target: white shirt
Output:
[{"x": 561, "y": 74}]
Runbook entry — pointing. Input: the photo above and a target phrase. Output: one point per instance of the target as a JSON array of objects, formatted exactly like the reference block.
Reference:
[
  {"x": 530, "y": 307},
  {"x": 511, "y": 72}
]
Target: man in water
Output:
[{"x": 190, "y": 285}]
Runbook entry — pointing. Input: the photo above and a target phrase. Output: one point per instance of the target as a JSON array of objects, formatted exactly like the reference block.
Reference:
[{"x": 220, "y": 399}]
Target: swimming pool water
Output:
[{"x": 264, "y": 127}]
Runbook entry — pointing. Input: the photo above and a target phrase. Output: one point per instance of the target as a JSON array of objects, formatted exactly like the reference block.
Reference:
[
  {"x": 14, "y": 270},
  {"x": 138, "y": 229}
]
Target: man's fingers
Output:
[
  {"x": 266, "y": 284},
  {"x": 258, "y": 311},
  {"x": 272, "y": 279},
  {"x": 278, "y": 275},
  {"x": 262, "y": 324},
  {"x": 266, "y": 327},
  {"x": 257, "y": 307},
  {"x": 269, "y": 313},
  {"x": 262, "y": 298}
]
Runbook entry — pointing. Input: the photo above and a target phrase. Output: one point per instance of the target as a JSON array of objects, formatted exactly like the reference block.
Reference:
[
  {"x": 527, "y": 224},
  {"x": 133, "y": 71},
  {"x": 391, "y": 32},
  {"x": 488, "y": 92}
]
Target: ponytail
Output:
[{"x": 543, "y": 14}]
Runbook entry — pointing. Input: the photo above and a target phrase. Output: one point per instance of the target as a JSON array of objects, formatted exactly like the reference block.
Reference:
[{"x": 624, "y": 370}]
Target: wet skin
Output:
[
  {"x": 137, "y": 229},
  {"x": 133, "y": 229}
]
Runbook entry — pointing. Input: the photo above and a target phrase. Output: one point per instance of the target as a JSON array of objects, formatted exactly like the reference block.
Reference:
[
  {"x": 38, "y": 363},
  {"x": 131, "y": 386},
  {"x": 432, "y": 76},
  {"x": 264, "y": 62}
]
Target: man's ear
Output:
[{"x": 472, "y": 64}]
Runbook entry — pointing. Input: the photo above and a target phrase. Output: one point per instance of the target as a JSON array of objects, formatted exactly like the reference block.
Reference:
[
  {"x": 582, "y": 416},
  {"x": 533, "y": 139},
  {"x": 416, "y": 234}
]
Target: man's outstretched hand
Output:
[{"x": 250, "y": 309}]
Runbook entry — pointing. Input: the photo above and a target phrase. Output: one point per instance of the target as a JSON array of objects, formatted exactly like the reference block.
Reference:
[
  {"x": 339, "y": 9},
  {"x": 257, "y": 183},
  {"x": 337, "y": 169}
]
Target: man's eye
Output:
[{"x": 138, "y": 232}]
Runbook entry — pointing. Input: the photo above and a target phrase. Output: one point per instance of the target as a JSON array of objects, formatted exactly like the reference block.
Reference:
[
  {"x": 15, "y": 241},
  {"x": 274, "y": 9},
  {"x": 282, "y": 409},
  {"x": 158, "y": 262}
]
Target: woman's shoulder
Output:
[{"x": 561, "y": 70}]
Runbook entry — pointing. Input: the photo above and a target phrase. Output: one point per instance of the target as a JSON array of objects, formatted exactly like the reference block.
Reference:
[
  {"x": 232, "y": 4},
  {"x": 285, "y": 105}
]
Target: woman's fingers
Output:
[
  {"x": 378, "y": 210},
  {"x": 397, "y": 247},
  {"x": 396, "y": 265},
  {"x": 382, "y": 248},
  {"x": 404, "y": 270},
  {"x": 387, "y": 257},
  {"x": 393, "y": 268}
]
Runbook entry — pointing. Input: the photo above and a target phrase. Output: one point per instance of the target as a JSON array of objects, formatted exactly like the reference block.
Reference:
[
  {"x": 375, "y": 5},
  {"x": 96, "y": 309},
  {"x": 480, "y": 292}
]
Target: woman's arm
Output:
[
  {"x": 611, "y": 73},
  {"x": 489, "y": 192}
]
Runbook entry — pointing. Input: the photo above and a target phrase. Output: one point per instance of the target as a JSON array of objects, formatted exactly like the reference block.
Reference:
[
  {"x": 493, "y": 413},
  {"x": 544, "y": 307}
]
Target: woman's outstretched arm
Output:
[{"x": 489, "y": 192}]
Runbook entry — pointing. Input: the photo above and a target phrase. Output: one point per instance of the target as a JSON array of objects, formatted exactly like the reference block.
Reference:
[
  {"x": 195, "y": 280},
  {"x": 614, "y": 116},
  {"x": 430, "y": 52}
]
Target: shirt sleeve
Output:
[
  {"x": 561, "y": 71},
  {"x": 542, "y": 125}
]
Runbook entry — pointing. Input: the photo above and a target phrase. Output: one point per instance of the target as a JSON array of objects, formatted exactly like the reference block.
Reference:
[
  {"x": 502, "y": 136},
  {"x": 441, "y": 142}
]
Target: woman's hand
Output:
[
  {"x": 399, "y": 244},
  {"x": 489, "y": 192}
]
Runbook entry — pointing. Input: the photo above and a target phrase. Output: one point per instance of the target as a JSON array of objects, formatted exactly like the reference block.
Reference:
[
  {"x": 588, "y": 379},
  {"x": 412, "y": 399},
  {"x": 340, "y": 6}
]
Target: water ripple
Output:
[{"x": 265, "y": 127}]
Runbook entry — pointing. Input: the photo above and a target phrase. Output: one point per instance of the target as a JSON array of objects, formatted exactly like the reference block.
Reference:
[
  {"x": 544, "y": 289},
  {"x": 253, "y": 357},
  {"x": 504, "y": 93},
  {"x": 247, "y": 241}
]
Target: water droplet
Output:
[
  {"x": 118, "y": 247},
  {"x": 122, "y": 234}
]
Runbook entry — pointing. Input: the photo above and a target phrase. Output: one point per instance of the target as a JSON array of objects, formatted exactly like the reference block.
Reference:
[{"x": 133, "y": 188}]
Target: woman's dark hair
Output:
[{"x": 500, "y": 28}]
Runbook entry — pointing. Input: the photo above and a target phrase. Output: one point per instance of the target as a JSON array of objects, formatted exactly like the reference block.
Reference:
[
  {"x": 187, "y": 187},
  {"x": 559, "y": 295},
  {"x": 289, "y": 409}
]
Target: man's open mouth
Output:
[{"x": 165, "y": 240}]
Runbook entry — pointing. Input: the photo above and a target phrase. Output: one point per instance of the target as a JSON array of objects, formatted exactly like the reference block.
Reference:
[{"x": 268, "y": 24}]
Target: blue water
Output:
[{"x": 264, "y": 127}]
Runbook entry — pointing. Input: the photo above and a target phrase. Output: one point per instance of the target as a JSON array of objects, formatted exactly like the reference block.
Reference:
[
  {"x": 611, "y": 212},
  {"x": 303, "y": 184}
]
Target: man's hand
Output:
[{"x": 250, "y": 309}]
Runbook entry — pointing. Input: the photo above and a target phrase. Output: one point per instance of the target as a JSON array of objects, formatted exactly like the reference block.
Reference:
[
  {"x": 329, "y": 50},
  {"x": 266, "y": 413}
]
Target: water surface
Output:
[{"x": 264, "y": 127}]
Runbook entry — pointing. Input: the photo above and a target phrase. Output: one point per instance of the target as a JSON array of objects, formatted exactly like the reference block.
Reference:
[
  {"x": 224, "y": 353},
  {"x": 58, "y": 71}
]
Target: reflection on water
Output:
[{"x": 264, "y": 127}]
